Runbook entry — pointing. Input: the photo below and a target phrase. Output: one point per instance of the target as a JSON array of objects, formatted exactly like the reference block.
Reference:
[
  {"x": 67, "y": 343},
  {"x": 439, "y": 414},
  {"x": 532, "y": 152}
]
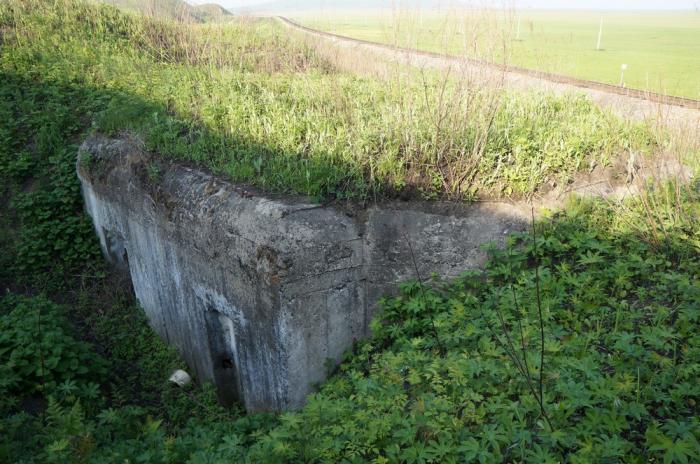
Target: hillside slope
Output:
[
  {"x": 345, "y": 5},
  {"x": 173, "y": 9},
  {"x": 211, "y": 12}
]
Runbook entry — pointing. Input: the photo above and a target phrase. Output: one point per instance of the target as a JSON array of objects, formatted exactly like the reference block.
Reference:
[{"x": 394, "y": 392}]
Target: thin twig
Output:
[
  {"x": 514, "y": 359},
  {"x": 41, "y": 358},
  {"x": 420, "y": 286},
  {"x": 539, "y": 303},
  {"x": 520, "y": 325}
]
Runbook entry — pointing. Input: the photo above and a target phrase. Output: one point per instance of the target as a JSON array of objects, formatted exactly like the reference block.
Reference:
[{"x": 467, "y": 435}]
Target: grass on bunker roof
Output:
[{"x": 247, "y": 100}]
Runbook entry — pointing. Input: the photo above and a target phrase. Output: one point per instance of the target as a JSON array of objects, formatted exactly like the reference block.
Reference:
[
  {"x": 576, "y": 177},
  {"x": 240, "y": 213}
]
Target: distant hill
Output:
[
  {"x": 211, "y": 12},
  {"x": 173, "y": 9},
  {"x": 306, "y": 5}
]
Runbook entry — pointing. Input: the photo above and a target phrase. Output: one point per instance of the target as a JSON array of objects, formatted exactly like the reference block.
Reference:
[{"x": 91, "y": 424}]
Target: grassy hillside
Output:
[
  {"x": 166, "y": 9},
  {"x": 287, "y": 6},
  {"x": 578, "y": 343},
  {"x": 247, "y": 102},
  {"x": 173, "y": 9},
  {"x": 211, "y": 12},
  {"x": 661, "y": 49}
]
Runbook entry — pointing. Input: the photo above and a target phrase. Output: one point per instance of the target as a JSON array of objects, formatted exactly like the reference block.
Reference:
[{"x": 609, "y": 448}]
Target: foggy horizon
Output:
[{"x": 612, "y": 5}]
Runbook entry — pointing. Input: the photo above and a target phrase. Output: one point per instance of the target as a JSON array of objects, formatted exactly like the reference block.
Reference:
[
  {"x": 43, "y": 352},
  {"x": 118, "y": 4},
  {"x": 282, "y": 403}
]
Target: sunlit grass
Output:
[{"x": 248, "y": 100}]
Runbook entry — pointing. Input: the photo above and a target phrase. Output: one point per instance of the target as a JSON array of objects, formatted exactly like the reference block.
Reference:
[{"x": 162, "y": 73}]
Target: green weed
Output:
[{"x": 621, "y": 353}]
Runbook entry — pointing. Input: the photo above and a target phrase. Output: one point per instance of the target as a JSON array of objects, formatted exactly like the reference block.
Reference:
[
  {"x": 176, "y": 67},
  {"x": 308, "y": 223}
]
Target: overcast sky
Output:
[{"x": 552, "y": 4}]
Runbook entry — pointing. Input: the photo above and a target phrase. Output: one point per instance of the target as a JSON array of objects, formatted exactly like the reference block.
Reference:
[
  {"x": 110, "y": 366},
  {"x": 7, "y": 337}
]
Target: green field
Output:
[{"x": 661, "y": 49}]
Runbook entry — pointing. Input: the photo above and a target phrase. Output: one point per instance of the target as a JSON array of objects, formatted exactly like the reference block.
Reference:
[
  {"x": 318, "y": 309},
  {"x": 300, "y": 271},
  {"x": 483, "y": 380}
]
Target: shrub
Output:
[{"x": 40, "y": 353}]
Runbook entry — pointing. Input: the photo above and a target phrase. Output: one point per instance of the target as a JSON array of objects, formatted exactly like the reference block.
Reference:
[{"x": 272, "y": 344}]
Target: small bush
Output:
[{"x": 39, "y": 352}]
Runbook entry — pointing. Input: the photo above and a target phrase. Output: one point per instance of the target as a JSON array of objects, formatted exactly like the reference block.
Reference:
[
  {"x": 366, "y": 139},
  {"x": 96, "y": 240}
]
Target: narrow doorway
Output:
[{"x": 222, "y": 344}]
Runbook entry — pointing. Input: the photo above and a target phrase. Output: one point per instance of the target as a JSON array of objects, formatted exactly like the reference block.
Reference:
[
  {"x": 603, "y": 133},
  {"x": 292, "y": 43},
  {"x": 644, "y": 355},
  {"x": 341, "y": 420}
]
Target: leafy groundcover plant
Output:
[
  {"x": 439, "y": 382},
  {"x": 447, "y": 375}
]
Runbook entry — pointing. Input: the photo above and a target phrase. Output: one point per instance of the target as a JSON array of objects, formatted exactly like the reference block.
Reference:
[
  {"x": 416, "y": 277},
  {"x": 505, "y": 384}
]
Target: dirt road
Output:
[{"x": 630, "y": 103}]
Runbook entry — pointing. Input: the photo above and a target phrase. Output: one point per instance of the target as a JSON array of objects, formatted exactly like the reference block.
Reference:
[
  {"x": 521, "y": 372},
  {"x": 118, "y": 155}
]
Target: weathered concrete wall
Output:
[{"x": 257, "y": 293}]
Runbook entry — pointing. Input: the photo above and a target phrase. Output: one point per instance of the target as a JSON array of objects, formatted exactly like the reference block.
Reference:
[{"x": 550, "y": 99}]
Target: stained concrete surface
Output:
[{"x": 257, "y": 292}]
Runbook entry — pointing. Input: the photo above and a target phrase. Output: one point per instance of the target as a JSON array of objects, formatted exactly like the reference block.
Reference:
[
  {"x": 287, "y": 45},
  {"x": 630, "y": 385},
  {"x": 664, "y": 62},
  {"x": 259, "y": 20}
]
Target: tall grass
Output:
[
  {"x": 247, "y": 100},
  {"x": 659, "y": 183}
]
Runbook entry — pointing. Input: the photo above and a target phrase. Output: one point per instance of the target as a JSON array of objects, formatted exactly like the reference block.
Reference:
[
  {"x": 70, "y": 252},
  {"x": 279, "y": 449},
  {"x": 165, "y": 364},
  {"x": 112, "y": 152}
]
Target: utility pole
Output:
[
  {"x": 623, "y": 68},
  {"x": 600, "y": 34},
  {"x": 517, "y": 33}
]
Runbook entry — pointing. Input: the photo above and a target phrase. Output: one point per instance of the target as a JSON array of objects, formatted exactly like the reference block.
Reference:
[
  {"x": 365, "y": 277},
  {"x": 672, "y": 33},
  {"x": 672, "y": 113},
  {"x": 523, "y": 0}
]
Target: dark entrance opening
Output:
[{"x": 222, "y": 339}]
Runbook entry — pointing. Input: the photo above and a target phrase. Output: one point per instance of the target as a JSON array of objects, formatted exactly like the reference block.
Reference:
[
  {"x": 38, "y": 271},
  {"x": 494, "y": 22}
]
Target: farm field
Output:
[{"x": 661, "y": 49}]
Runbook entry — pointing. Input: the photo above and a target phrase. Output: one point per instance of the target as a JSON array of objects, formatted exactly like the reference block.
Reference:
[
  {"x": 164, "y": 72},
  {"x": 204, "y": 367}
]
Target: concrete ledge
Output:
[{"x": 258, "y": 292}]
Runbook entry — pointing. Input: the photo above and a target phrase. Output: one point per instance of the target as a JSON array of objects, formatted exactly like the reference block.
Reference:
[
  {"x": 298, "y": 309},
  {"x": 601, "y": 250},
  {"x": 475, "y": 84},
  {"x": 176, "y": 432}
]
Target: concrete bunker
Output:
[{"x": 259, "y": 292}]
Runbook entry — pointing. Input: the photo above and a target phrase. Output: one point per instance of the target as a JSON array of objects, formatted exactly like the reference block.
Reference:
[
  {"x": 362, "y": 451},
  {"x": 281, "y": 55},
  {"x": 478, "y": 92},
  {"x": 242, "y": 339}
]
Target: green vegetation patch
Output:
[
  {"x": 247, "y": 100},
  {"x": 39, "y": 352},
  {"x": 173, "y": 9},
  {"x": 578, "y": 343}
]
